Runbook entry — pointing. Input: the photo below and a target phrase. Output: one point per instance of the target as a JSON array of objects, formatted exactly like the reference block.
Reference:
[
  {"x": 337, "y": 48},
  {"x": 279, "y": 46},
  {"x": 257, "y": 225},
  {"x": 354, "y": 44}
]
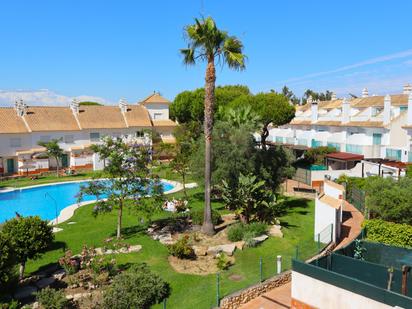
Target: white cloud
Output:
[
  {"x": 371, "y": 61},
  {"x": 43, "y": 97}
]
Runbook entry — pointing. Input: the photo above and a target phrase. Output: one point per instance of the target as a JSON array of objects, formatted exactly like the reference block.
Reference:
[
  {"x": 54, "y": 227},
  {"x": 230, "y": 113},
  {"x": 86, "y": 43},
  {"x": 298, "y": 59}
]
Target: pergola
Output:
[{"x": 344, "y": 160}]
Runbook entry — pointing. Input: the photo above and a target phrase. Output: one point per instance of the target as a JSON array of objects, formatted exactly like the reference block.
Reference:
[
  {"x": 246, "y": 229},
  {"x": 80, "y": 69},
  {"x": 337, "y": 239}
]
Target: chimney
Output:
[
  {"x": 365, "y": 93},
  {"x": 345, "y": 111},
  {"x": 123, "y": 105},
  {"x": 75, "y": 106},
  {"x": 387, "y": 110},
  {"x": 409, "y": 121},
  {"x": 407, "y": 89},
  {"x": 314, "y": 109},
  {"x": 333, "y": 96},
  {"x": 20, "y": 108}
]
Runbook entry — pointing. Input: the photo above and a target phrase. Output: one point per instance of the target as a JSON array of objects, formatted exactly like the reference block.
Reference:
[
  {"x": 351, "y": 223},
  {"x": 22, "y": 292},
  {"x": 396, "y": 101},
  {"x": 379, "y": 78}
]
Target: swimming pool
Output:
[{"x": 46, "y": 201}]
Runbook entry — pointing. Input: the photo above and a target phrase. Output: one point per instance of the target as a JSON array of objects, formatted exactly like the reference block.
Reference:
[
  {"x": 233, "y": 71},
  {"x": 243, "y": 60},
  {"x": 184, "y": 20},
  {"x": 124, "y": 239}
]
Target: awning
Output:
[
  {"x": 344, "y": 156},
  {"x": 81, "y": 147},
  {"x": 30, "y": 151}
]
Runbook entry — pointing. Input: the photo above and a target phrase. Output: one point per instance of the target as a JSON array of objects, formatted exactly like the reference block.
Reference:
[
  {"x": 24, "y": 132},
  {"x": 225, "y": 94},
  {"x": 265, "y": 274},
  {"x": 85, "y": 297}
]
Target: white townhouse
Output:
[
  {"x": 377, "y": 127},
  {"x": 77, "y": 127}
]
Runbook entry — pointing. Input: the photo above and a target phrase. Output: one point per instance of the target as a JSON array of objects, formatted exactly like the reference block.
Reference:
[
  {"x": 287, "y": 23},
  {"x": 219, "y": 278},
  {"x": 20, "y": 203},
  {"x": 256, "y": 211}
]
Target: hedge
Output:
[{"x": 388, "y": 232}]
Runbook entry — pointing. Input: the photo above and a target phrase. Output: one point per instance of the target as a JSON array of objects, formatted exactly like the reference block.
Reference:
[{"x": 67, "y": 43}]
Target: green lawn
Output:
[{"x": 188, "y": 291}]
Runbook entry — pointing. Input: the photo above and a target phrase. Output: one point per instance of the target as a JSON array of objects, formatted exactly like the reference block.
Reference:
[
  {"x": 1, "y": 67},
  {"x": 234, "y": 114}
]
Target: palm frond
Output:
[
  {"x": 188, "y": 56},
  {"x": 232, "y": 51}
]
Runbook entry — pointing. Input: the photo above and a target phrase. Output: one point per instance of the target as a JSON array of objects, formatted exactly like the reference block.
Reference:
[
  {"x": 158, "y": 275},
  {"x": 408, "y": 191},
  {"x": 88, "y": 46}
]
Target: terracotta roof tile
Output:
[
  {"x": 137, "y": 116},
  {"x": 50, "y": 118},
  {"x": 164, "y": 123},
  {"x": 155, "y": 98},
  {"x": 371, "y": 124},
  {"x": 10, "y": 122},
  {"x": 99, "y": 117}
]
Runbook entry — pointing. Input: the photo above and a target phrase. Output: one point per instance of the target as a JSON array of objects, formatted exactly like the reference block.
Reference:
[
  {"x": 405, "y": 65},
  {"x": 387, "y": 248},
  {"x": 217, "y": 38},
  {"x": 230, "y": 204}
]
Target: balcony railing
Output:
[
  {"x": 316, "y": 143},
  {"x": 279, "y": 139},
  {"x": 393, "y": 154},
  {"x": 410, "y": 156},
  {"x": 354, "y": 148},
  {"x": 302, "y": 141},
  {"x": 290, "y": 140}
]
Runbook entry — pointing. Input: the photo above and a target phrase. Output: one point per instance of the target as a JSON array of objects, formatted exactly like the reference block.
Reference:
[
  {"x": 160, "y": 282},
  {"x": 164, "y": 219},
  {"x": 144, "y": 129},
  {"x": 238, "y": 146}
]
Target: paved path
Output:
[{"x": 278, "y": 298}]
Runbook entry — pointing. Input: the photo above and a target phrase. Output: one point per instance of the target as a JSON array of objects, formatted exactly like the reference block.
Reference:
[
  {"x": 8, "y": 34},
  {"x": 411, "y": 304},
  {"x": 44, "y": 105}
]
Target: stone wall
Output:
[{"x": 238, "y": 298}]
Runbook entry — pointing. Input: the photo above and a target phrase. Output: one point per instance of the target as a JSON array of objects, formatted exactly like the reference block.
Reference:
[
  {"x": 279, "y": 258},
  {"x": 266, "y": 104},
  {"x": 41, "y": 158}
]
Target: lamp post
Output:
[{"x": 55, "y": 205}]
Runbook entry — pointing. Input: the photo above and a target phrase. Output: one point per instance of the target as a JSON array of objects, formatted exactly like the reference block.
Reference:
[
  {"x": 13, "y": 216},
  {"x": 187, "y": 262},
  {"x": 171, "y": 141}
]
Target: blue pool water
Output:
[{"x": 44, "y": 201}]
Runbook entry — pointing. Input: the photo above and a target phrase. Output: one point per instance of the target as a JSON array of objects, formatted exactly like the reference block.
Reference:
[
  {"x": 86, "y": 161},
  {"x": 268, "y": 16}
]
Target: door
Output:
[
  {"x": 10, "y": 166},
  {"x": 377, "y": 138},
  {"x": 65, "y": 160}
]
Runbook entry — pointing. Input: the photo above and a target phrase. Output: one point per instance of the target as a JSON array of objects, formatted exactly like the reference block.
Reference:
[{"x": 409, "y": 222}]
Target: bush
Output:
[
  {"x": 222, "y": 262},
  {"x": 235, "y": 232},
  {"x": 249, "y": 241},
  {"x": 136, "y": 288},
  {"x": 14, "y": 304},
  {"x": 181, "y": 249},
  {"x": 51, "y": 299},
  {"x": 388, "y": 232},
  {"x": 197, "y": 217},
  {"x": 238, "y": 231}
]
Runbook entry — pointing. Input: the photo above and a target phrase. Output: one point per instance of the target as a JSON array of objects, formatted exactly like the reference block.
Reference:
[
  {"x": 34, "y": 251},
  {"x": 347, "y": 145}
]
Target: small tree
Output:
[
  {"x": 136, "y": 288},
  {"x": 54, "y": 151},
  {"x": 127, "y": 173},
  {"x": 249, "y": 198},
  {"x": 183, "y": 150},
  {"x": 6, "y": 260},
  {"x": 29, "y": 237}
]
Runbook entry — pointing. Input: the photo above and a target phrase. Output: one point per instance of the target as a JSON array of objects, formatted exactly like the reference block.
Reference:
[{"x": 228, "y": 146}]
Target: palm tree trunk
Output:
[
  {"x": 210, "y": 79},
  {"x": 119, "y": 220}
]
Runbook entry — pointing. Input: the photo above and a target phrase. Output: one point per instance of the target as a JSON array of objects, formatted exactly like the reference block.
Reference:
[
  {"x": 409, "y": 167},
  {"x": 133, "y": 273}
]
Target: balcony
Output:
[
  {"x": 302, "y": 141},
  {"x": 279, "y": 139},
  {"x": 290, "y": 140},
  {"x": 358, "y": 149},
  {"x": 334, "y": 145},
  {"x": 316, "y": 143},
  {"x": 394, "y": 154}
]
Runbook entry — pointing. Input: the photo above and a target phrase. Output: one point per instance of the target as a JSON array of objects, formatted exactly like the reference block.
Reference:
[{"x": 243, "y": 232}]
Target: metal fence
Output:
[{"x": 356, "y": 197}]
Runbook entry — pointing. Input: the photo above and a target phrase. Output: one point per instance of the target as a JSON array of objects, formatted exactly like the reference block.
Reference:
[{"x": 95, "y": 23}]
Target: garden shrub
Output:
[
  {"x": 238, "y": 231},
  {"x": 181, "y": 249},
  {"x": 248, "y": 239},
  {"x": 235, "y": 232},
  {"x": 222, "y": 261},
  {"x": 388, "y": 232},
  {"x": 136, "y": 288},
  {"x": 14, "y": 304},
  {"x": 49, "y": 298},
  {"x": 197, "y": 217}
]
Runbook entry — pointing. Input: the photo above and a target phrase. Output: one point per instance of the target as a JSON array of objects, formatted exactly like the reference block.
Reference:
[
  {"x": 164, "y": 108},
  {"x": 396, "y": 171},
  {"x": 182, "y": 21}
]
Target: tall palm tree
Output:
[{"x": 207, "y": 43}]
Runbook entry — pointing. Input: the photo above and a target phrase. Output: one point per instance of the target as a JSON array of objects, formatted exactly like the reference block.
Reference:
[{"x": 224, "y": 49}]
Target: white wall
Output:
[
  {"x": 322, "y": 295},
  {"x": 324, "y": 216},
  {"x": 332, "y": 191},
  {"x": 161, "y": 111}
]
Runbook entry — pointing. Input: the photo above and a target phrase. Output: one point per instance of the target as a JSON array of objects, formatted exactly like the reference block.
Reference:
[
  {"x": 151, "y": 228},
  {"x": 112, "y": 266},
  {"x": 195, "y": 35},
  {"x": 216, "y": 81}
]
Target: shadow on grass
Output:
[
  {"x": 130, "y": 231},
  {"x": 56, "y": 245},
  {"x": 292, "y": 203}
]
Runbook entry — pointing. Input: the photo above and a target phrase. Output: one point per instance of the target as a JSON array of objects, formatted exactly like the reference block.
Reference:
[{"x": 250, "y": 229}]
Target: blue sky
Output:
[{"x": 54, "y": 50}]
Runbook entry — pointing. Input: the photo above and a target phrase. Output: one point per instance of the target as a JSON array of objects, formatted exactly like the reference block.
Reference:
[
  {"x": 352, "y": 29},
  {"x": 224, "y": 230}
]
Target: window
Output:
[
  {"x": 45, "y": 138},
  {"x": 69, "y": 139},
  {"x": 15, "y": 142},
  {"x": 157, "y": 115},
  {"x": 94, "y": 136},
  {"x": 403, "y": 108},
  {"x": 377, "y": 138},
  {"x": 139, "y": 134}
]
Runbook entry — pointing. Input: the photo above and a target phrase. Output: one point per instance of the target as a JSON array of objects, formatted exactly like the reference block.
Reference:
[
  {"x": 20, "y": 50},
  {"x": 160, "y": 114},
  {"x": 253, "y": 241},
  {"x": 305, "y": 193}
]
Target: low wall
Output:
[{"x": 241, "y": 297}]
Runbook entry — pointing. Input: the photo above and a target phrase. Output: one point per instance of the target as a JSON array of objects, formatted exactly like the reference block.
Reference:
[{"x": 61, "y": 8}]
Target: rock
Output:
[
  {"x": 57, "y": 229},
  {"x": 228, "y": 249},
  {"x": 166, "y": 239},
  {"x": 25, "y": 292},
  {"x": 59, "y": 275},
  {"x": 109, "y": 251},
  {"x": 35, "y": 305},
  {"x": 135, "y": 248},
  {"x": 200, "y": 250},
  {"x": 99, "y": 251},
  {"x": 260, "y": 238},
  {"x": 123, "y": 250},
  {"x": 42, "y": 283},
  {"x": 275, "y": 231},
  {"x": 240, "y": 244},
  {"x": 191, "y": 185}
]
